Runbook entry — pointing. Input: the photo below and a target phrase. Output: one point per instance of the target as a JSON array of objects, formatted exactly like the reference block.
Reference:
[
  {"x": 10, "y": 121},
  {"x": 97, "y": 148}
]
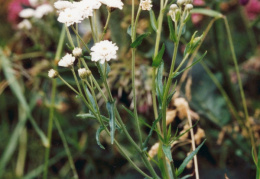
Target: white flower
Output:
[
  {"x": 62, "y": 5},
  {"x": 181, "y": 2},
  {"x": 83, "y": 73},
  {"x": 25, "y": 24},
  {"x": 43, "y": 10},
  {"x": 173, "y": 7},
  {"x": 53, "y": 73},
  {"x": 70, "y": 16},
  {"x": 103, "y": 51},
  {"x": 84, "y": 7},
  {"x": 95, "y": 4},
  {"x": 27, "y": 13},
  {"x": 77, "y": 52},
  {"x": 146, "y": 5},
  {"x": 113, "y": 3},
  {"x": 67, "y": 61},
  {"x": 34, "y": 3}
]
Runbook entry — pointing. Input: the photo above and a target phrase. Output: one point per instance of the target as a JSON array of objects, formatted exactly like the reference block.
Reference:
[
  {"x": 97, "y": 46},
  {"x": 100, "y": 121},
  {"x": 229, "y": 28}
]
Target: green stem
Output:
[
  {"x": 241, "y": 88},
  {"x": 77, "y": 34},
  {"x": 69, "y": 37},
  {"x": 53, "y": 94},
  {"x": 65, "y": 144},
  {"x": 105, "y": 28},
  {"x": 133, "y": 75},
  {"x": 92, "y": 29},
  {"x": 50, "y": 124}
]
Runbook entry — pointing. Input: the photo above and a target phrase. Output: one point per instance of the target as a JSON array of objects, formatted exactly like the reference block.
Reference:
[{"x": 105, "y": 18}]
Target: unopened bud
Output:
[
  {"x": 77, "y": 52},
  {"x": 83, "y": 73},
  {"x": 173, "y": 7},
  {"x": 53, "y": 73},
  {"x": 188, "y": 7},
  {"x": 180, "y": 2}
]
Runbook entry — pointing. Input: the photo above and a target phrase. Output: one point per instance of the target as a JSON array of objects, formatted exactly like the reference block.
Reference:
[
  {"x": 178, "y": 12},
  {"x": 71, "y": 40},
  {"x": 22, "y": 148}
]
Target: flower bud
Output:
[
  {"x": 180, "y": 2},
  {"x": 188, "y": 7},
  {"x": 53, "y": 73},
  {"x": 77, "y": 52},
  {"x": 173, "y": 7},
  {"x": 83, "y": 73}
]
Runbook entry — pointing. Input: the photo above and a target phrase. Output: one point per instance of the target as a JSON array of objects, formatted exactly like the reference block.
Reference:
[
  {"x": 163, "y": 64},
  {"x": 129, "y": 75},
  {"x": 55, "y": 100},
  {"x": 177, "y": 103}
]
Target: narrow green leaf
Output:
[
  {"x": 171, "y": 28},
  {"x": 129, "y": 112},
  {"x": 153, "y": 20},
  {"x": 100, "y": 129},
  {"x": 129, "y": 30},
  {"x": 112, "y": 120},
  {"x": 159, "y": 83},
  {"x": 91, "y": 98},
  {"x": 194, "y": 63},
  {"x": 160, "y": 156},
  {"x": 253, "y": 156},
  {"x": 91, "y": 116},
  {"x": 169, "y": 98},
  {"x": 139, "y": 40},
  {"x": 158, "y": 59},
  {"x": 207, "y": 12},
  {"x": 258, "y": 165},
  {"x": 145, "y": 143},
  {"x": 188, "y": 159},
  {"x": 169, "y": 133},
  {"x": 167, "y": 151},
  {"x": 187, "y": 176}
]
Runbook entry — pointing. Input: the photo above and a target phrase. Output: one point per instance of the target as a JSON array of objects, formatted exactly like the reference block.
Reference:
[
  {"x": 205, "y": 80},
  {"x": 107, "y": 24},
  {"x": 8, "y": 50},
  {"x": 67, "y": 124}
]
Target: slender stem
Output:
[
  {"x": 77, "y": 34},
  {"x": 53, "y": 94},
  {"x": 77, "y": 37},
  {"x": 105, "y": 28},
  {"x": 66, "y": 83},
  {"x": 95, "y": 23},
  {"x": 69, "y": 37},
  {"x": 92, "y": 29},
  {"x": 77, "y": 82},
  {"x": 65, "y": 144},
  {"x": 133, "y": 75},
  {"x": 193, "y": 144},
  {"x": 241, "y": 88},
  {"x": 50, "y": 124}
]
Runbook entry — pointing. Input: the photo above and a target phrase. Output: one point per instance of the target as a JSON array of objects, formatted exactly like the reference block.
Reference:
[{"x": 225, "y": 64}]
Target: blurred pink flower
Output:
[
  {"x": 14, "y": 7},
  {"x": 198, "y": 2},
  {"x": 196, "y": 18},
  {"x": 253, "y": 9}
]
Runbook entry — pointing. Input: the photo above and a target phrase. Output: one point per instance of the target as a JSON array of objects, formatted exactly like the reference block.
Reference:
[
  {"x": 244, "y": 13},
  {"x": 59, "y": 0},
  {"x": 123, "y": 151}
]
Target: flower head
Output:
[
  {"x": 42, "y": 10},
  {"x": 62, "y": 5},
  {"x": 146, "y": 5},
  {"x": 70, "y": 16},
  {"x": 25, "y": 24},
  {"x": 34, "y": 3},
  {"x": 84, "y": 7},
  {"x": 103, "y": 51},
  {"x": 113, "y": 3},
  {"x": 53, "y": 73},
  {"x": 27, "y": 13},
  {"x": 67, "y": 61},
  {"x": 77, "y": 52},
  {"x": 83, "y": 73}
]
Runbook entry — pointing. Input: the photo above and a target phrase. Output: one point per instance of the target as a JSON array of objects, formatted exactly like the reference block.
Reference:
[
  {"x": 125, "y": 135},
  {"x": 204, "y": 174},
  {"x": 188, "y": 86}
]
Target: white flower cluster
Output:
[
  {"x": 76, "y": 12},
  {"x": 176, "y": 10},
  {"x": 39, "y": 12},
  {"x": 103, "y": 51},
  {"x": 146, "y": 5}
]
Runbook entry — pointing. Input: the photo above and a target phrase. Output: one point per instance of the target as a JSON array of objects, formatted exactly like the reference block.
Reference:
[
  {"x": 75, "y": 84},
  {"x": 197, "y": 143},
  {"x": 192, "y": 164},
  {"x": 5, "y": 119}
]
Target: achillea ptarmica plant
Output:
[{"x": 67, "y": 61}]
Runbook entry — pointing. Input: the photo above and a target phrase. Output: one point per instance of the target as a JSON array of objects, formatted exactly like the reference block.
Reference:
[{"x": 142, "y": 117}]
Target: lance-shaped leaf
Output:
[
  {"x": 112, "y": 119},
  {"x": 167, "y": 151},
  {"x": 100, "y": 129},
  {"x": 145, "y": 143},
  {"x": 171, "y": 28},
  {"x": 158, "y": 59},
  {"x": 258, "y": 165},
  {"x": 139, "y": 40},
  {"x": 188, "y": 159},
  {"x": 194, "y": 63},
  {"x": 91, "y": 116},
  {"x": 153, "y": 20},
  {"x": 159, "y": 84},
  {"x": 207, "y": 12}
]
